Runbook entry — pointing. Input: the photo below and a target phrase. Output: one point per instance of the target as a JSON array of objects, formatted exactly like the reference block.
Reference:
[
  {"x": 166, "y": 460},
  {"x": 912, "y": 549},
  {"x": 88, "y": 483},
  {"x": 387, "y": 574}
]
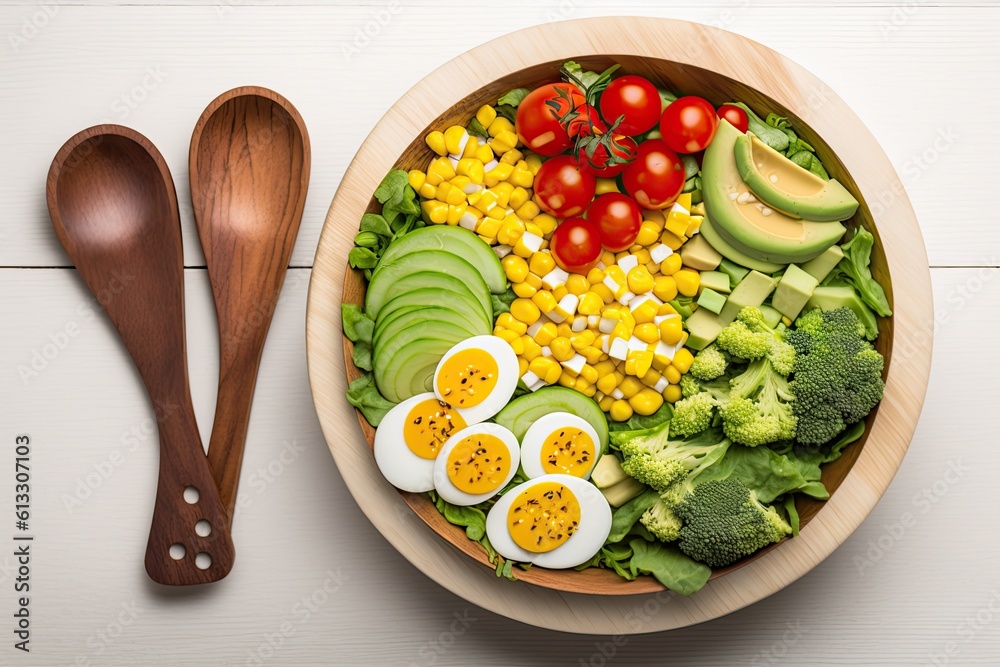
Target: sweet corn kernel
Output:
[
  {"x": 541, "y": 263},
  {"x": 655, "y": 216},
  {"x": 567, "y": 380},
  {"x": 560, "y": 292},
  {"x": 517, "y": 198},
  {"x": 682, "y": 360},
  {"x": 455, "y": 213},
  {"x": 561, "y": 348},
  {"x": 583, "y": 340},
  {"x": 486, "y": 115},
  {"x": 671, "y": 240},
  {"x": 546, "y": 334},
  {"x": 534, "y": 281},
  {"x": 646, "y": 402},
  {"x": 427, "y": 191},
  {"x": 506, "y": 334},
  {"x": 649, "y": 379},
  {"x": 497, "y": 174},
  {"x": 593, "y": 354},
  {"x": 589, "y": 373},
  {"x": 621, "y": 330},
  {"x": 435, "y": 140},
  {"x": 687, "y": 281},
  {"x": 472, "y": 168},
  {"x": 503, "y": 141},
  {"x": 608, "y": 258},
  {"x": 606, "y": 403},
  {"x": 545, "y": 302},
  {"x": 455, "y": 138},
  {"x": 672, "y": 374},
  {"x": 484, "y": 154},
  {"x": 577, "y": 284},
  {"x": 607, "y": 383},
  {"x": 499, "y": 124},
  {"x": 606, "y": 367},
  {"x": 646, "y": 332},
  {"x": 666, "y": 309},
  {"x": 534, "y": 163},
  {"x": 531, "y": 348},
  {"x": 665, "y": 287},
  {"x": 434, "y": 211},
  {"x": 630, "y": 386},
  {"x": 646, "y": 312},
  {"x": 672, "y": 393},
  {"x": 639, "y": 280},
  {"x": 671, "y": 331},
  {"x": 515, "y": 267},
  {"x": 605, "y": 185},
  {"x": 590, "y": 304},
  {"x": 649, "y": 233},
  {"x": 512, "y": 157},
  {"x": 620, "y": 411},
  {"x": 522, "y": 177},
  {"x": 603, "y": 291},
  {"x": 524, "y": 290},
  {"x": 471, "y": 148},
  {"x": 529, "y": 211},
  {"x": 670, "y": 265},
  {"x": 525, "y": 311},
  {"x": 517, "y": 345},
  {"x": 564, "y": 329}
]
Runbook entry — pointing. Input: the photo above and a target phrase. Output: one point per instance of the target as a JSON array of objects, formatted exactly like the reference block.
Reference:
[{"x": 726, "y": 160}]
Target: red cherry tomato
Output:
[
  {"x": 688, "y": 124},
  {"x": 618, "y": 218},
  {"x": 635, "y": 98},
  {"x": 539, "y": 125},
  {"x": 562, "y": 188},
  {"x": 656, "y": 176},
  {"x": 576, "y": 245},
  {"x": 622, "y": 148},
  {"x": 586, "y": 122},
  {"x": 736, "y": 116}
]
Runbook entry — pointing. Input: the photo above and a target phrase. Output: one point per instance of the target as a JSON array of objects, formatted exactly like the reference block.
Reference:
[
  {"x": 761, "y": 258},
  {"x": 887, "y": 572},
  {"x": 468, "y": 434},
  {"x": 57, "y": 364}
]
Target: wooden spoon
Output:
[
  {"x": 114, "y": 208},
  {"x": 249, "y": 164}
]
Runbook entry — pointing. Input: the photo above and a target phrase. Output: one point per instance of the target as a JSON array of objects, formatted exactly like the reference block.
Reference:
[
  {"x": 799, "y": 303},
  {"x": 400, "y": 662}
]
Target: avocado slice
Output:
[
  {"x": 787, "y": 187},
  {"x": 704, "y": 325},
  {"x": 733, "y": 254},
  {"x": 735, "y": 212}
]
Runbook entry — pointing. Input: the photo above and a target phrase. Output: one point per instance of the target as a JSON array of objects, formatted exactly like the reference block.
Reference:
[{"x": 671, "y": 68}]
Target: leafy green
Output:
[
  {"x": 362, "y": 258},
  {"x": 501, "y": 302},
  {"x": 590, "y": 83},
  {"x": 788, "y": 504},
  {"x": 669, "y": 566},
  {"x": 767, "y": 473},
  {"x": 683, "y": 306},
  {"x": 625, "y": 517},
  {"x": 358, "y": 328},
  {"x": 507, "y": 103},
  {"x": 476, "y": 129},
  {"x": 364, "y": 395},
  {"x": 400, "y": 214},
  {"x": 639, "y": 422},
  {"x": 770, "y": 135},
  {"x": 856, "y": 267}
]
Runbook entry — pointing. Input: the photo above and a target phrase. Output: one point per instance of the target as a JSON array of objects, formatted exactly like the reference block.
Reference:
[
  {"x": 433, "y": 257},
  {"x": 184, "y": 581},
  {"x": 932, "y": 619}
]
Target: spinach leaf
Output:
[
  {"x": 472, "y": 518},
  {"x": 476, "y": 129},
  {"x": 639, "y": 422},
  {"x": 364, "y": 395},
  {"x": 362, "y": 258},
  {"x": 770, "y": 135},
  {"x": 669, "y": 566},
  {"x": 625, "y": 516},
  {"x": 507, "y": 104},
  {"x": 501, "y": 303},
  {"x": 372, "y": 222}
]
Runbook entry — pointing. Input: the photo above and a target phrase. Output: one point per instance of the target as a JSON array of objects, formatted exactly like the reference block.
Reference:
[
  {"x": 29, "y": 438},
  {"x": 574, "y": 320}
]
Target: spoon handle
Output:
[{"x": 189, "y": 540}]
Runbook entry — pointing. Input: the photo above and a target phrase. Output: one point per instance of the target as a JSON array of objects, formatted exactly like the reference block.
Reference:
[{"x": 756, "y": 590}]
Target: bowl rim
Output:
[{"x": 687, "y": 44}]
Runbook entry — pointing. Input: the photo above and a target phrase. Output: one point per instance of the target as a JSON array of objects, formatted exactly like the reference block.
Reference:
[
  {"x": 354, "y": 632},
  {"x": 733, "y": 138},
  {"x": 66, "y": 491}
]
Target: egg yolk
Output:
[
  {"x": 428, "y": 425},
  {"x": 467, "y": 378},
  {"x": 479, "y": 463},
  {"x": 568, "y": 450},
  {"x": 544, "y": 516}
]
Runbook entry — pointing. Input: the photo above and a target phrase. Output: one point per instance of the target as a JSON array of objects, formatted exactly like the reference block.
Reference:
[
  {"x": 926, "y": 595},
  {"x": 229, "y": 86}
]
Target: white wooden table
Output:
[{"x": 314, "y": 583}]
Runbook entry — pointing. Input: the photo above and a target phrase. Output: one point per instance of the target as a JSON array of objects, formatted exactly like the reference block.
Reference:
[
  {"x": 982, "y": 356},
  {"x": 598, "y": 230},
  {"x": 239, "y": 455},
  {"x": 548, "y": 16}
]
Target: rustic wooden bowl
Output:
[{"x": 684, "y": 57}]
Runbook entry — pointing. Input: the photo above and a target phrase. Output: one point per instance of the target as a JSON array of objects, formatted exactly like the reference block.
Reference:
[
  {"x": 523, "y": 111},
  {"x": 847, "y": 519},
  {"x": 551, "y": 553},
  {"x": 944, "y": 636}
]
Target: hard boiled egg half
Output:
[
  {"x": 553, "y": 521},
  {"x": 473, "y": 381},
  {"x": 475, "y": 464},
  {"x": 560, "y": 443},
  {"x": 477, "y": 377}
]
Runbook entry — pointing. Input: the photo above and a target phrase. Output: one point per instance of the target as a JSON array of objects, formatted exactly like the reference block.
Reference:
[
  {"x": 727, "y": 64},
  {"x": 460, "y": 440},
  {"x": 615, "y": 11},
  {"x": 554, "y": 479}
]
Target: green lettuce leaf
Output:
[
  {"x": 669, "y": 566},
  {"x": 856, "y": 265},
  {"x": 364, "y": 395}
]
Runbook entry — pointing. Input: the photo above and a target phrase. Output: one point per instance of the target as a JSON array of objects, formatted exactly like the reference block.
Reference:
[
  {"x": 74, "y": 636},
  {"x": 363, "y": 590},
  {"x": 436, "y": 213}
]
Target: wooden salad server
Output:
[
  {"x": 114, "y": 208},
  {"x": 249, "y": 170}
]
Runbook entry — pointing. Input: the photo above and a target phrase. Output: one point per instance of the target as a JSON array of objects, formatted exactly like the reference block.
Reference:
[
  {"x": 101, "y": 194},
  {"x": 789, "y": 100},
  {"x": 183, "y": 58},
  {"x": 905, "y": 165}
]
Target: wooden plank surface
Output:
[{"x": 912, "y": 580}]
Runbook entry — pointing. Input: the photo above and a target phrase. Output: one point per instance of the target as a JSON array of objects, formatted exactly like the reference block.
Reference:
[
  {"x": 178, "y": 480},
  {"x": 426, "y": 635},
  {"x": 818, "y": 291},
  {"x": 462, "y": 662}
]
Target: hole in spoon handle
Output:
[{"x": 189, "y": 540}]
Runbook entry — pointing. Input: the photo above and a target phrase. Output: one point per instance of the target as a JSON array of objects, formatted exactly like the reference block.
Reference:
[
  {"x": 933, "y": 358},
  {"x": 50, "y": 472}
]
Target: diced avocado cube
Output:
[
  {"x": 771, "y": 316},
  {"x": 821, "y": 266},
  {"x": 752, "y": 291},
  {"x": 832, "y": 297},
  {"x": 711, "y": 300},
  {"x": 698, "y": 254},
  {"x": 622, "y": 492},
  {"x": 735, "y": 272},
  {"x": 793, "y": 291},
  {"x": 703, "y": 328},
  {"x": 716, "y": 280}
]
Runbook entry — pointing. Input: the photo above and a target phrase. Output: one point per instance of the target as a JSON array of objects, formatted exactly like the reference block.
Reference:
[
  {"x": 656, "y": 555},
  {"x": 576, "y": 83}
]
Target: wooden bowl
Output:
[{"x": 683, "y": 57}]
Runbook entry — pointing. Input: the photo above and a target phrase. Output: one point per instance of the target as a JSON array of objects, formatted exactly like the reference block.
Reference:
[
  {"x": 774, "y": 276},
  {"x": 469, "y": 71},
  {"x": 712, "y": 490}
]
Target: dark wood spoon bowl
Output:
[{"x": 114, "y": 208}]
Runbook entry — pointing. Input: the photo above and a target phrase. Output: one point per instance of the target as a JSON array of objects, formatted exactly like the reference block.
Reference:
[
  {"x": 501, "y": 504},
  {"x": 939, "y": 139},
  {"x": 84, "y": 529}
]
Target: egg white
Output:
[
  {"x": 539, "y": 431},
  {"x": 507, "y": 376},
  {"x": 399, "y": 465},
  {"x": 442, "y": 482},
  {"x": 582, "y": 545}
]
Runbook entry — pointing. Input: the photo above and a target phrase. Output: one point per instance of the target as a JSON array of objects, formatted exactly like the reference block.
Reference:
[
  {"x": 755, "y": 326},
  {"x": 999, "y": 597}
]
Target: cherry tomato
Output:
[
  {"x": 624, "y": 150},
  {"x": 736, "y": 116},
  {"x": 635, "y": 98},
  {"x": 576, "y": 245},
  {"x": 656, "y": 176},
  {"x": 618, "y": 218},
  {"x": 562, "y": 188},
  {"x": 585, "y": 122},
  {"x": 539, "y": 126},
  {"x": 688, "y": 124}
]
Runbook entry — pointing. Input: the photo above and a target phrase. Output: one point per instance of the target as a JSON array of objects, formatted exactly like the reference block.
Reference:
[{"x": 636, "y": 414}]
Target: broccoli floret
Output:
[
  {"x": 655, "y": 459},
  {"x": 759, "y": 410},
  {"x": 689, "y": 386},
  {"x": 709, "y": 364},
  {"x": 750, "y": 338},
  {"x": 838, "y": 374},
  {"x": 692, "y": 415},
  {"x": 723, "y": 521},
  {"x": 662, "y": 522},
  {"x": 741, "y": 341}
]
